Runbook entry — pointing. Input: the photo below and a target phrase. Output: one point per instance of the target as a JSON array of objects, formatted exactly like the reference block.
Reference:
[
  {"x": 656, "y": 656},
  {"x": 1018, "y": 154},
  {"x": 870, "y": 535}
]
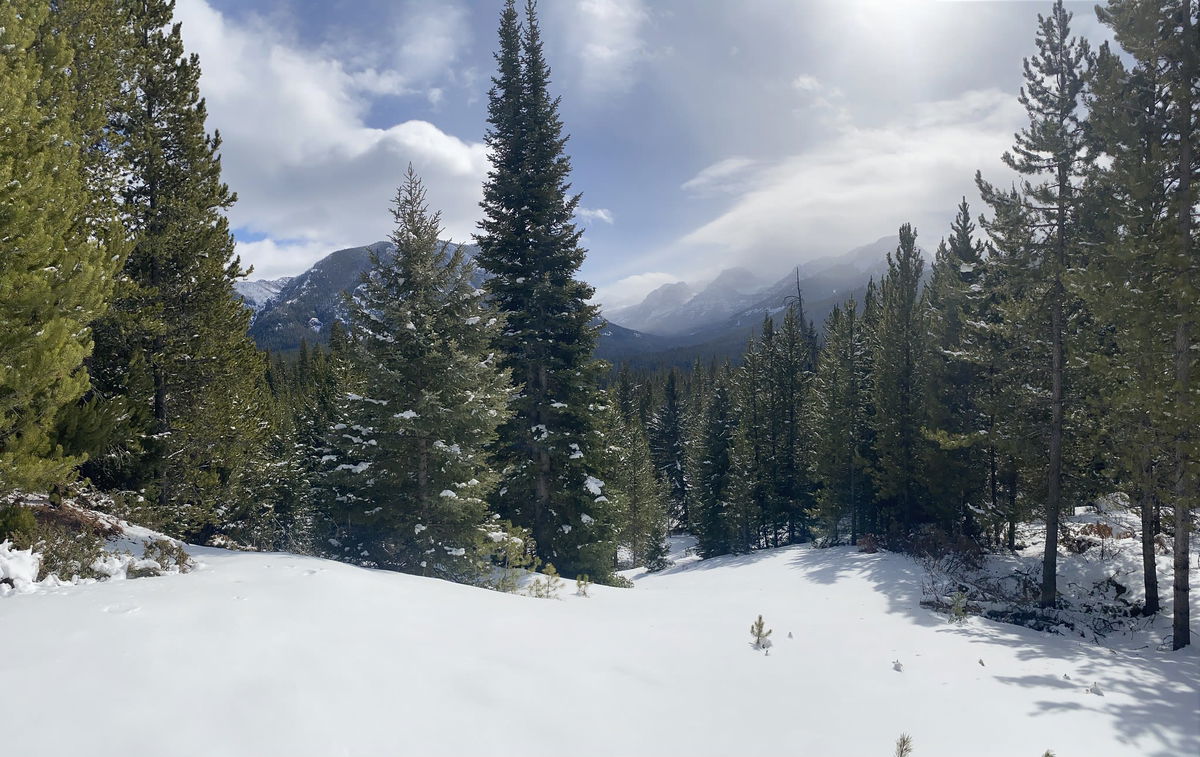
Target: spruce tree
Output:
[
  {"x": 668, "y": 449},
  {"x": 955, "y": 468},
  {"x": 1052, "y": 151},
  {"x": 838, "y": 419},
  {"x": 714, "y": 468},
  {"x": 898, "y": 344},
  {"x": 792, "y": 372},
  {"x": 551, "y": 450},
  {"x": 408, "y": 464},
  {"x": 58, "y": 261}
]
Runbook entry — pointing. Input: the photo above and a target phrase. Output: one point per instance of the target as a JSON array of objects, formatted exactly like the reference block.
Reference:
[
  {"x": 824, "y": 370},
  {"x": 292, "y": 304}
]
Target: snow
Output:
[
  {"x": 19, "y": 567},
  {"x": 594, "y": 485},
  {"x": 340, "y": 660}
]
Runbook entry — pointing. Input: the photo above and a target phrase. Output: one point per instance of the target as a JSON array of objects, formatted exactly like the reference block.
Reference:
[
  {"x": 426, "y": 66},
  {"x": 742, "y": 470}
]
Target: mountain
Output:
[
  {"x": 303, "y": 307},
  {"x": 822, "y": 283},
  {"x": 657, "y": 305},
  {"x": 672, "y": 310},
  {"x": 259, "y": 293}
]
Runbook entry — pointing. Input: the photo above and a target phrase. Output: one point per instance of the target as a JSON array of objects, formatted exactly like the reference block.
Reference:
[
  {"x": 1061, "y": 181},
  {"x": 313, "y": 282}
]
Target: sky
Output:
[{"x": 705, "y": 134}]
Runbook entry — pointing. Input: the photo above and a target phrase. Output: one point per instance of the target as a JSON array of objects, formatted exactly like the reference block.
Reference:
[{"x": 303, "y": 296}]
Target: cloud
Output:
[
  {"x": 860, "y": 186},
  {"x": 632, "y": 289},
  {"x": 806, "y": 83},
  {"x": 297, "y": 150},
  {"x": 606, "y": 37},
  {"x": 724, "y": 176},
  {"x": 595, "y": 214}
]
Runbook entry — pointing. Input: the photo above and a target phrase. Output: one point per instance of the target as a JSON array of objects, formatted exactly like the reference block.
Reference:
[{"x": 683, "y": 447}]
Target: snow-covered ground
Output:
[{"x": 275, "y": 654}]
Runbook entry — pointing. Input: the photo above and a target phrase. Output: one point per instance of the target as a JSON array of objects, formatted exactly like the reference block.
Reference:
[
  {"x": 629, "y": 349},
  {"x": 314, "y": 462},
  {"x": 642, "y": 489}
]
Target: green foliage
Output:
[
  {"x": 898, "y": 345},
  {"x": 57, "y": 267},
  {"x": 17, "y": 524},
  {"x": 958, "y": 607},
  {"x": 170, "y": 555},
  {"x": 904, "y": 746},
  {"x": 546, "y": 585},
  {"x": 582, "y": 584},
  {"x": 552, "y": 451},
  {"x": 512, "y": 555},
  {"x": 407, "y": 477},
  {"x": 761, "y": 633}
]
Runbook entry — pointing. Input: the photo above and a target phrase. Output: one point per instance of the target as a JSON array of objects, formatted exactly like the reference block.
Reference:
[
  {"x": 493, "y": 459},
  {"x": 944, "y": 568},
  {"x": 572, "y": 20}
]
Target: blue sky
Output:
[{"x": 705, "y": 134}]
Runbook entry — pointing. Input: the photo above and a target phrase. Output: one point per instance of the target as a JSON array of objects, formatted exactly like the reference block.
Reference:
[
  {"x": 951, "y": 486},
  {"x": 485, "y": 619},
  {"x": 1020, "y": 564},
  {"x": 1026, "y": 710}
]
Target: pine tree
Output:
[
  {"x": 668, "y": 449},
  {"x": 714, "y": 469},
  {"x": 551, "y": 450},
  {"x": 898, "y": 344},
  {"x": 1145, "y": 122},
  {"x": 792, "y": 372},
  {"x": 175, "y": 340},
  {"x": 408, "y": 462},
  {"x": 640, "y": 500},
  {"x": 954, "y": 467},
  {"x": 838, "y": 411},
  {"x": 1052, "y": 146},
  {"x": 57, "y": 267}
]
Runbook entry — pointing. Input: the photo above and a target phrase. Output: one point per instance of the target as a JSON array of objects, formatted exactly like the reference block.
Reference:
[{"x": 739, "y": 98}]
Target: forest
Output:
[{"x": 1040, "y": 359}]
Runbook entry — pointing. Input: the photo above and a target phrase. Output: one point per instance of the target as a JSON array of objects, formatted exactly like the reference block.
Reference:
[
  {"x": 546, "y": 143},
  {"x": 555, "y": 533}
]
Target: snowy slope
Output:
[
  {"x": 259, "y": 293},
  {"x": 274, "y": 654}
]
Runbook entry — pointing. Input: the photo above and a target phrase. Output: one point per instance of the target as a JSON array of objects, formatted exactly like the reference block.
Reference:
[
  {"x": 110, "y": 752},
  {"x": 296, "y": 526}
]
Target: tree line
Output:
[{"x": 1044, "y": 359}]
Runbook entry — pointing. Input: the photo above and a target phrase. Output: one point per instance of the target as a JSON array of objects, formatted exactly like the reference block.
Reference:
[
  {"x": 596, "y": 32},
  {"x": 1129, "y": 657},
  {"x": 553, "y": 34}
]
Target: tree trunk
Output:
[
  {"x": 1054, "y": 482},
  {"x": 1149, "y": 572},
  {"x": 1184, "y": 486}
]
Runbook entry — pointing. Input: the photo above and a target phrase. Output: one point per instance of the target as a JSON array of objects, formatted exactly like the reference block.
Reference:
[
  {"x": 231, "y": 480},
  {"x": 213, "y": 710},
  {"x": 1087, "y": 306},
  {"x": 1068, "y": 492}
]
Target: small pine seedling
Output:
[
  {"x": 760, "y": 632},
  {"x": 904, "y": 747},
  {"x": 582, "y": 584},
  {"x": 547, "y": 586},
  {"x": 958, "y": 607}
]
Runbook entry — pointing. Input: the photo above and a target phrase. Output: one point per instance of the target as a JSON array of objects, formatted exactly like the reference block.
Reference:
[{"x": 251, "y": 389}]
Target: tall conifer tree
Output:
[
  {"x": 1052, "y": 151},
  {"x": 408, "y": 466},
  {"x": 552, "y": 449},
  {"x": 58, "y": 260}
]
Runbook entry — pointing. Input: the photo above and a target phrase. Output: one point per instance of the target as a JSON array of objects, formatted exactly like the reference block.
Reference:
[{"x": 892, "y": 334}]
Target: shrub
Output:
[
  {"x": 17, "y": 524},
  {"x": 169, "y": 554},
  {"x": 868, "y": 543},
  {"x": 547, "y": 585},
  {"x": 66, "y": 553}
]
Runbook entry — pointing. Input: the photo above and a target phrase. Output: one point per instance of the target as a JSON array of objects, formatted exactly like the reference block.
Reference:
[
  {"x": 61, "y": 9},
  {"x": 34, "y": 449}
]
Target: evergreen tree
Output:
[
  {"x": 58, "y": 261},
  {"x": 551, "y": 450},
  {"x": 1052, "y": 146},
  {"x": 792, "y": 371},
  {"x": 175, "y": 341},
  {"x": 640, "y": 500},
  {"x": 668, "y": 449},
  {"x": 954, "y": 467},
  {"x": 1145, "y": 121},
  {"x": 898, "y": 344},
  {"x": 839, "y": 424},
  {"x": 408, "y": 464},
  {"x": 714, "y": 469}
]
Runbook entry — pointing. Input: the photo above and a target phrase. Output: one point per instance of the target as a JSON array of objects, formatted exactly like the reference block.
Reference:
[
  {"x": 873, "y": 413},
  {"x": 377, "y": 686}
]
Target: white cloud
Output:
[
  {"x": 298, "y": 152},
  {"x": 596, "y": 214},
  {"x": 806, "y": 83},
  {"x": 724, "y": 176},
  {"x": 632, "y": 289},
  {"x": 860, "y": 186},
  {"x": 606, "y": 35}
]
